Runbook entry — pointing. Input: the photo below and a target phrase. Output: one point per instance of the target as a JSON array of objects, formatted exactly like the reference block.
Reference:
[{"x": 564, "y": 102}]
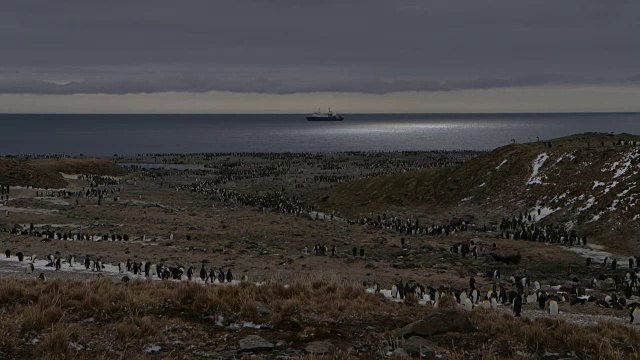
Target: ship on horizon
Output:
[{"x": 328, "y": 116}]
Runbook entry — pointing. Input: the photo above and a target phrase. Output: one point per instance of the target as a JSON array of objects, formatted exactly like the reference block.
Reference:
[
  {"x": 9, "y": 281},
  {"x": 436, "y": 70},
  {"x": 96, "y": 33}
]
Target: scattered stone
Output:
[
  {"x": 263, "y": 309},
  {"x": 422, "y": 348},
  {"x": 399, "y": 353},
  {"x": 439, "y": 321},
  {"x": 319, "y": 347},
  {"x": 255, "y": 343}
]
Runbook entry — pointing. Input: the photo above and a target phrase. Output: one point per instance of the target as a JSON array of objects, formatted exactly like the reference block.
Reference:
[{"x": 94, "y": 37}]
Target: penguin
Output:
[
  {"x": 125, "y": 279},
  {"x": 468, "y": 306},
  {"x": 536, "y": 285},
  {"x": 517, "y": 305},
  {"x": 120, "y": 267},
  {"x": 190, "y": 273},
  {"x": 542, "y": 299},
  {"x": 553, "y": 307},
  {"x": 463, "y": 296},
  {"x": 20, "y": 256},
  {"x": 87, "y": 262},
  {"x": 72, "y": 260},
  {"x": 474, "y": 296},
  {"x": 30, "y": 268},
  {"x": 58, "y": 264},
  {"x": 203, "y": 274},
  {"x": 394, "y": 291},
  {"x": 635, "y": 315},
  {"x": 494, "y": 302},
  {"x": 229, "y": 276},
  {"x": 486, "y": 304},
  {"x": 42, "y": 278},
  {"x": 8, "y": 253}
]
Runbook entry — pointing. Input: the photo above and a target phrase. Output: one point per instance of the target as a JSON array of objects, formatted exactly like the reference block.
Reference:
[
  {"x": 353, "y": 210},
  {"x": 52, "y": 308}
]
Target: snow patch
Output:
[
  {"x": 537, "y": 164},
  {"x": 611, "y": 186},
  {"x": 588, "y": 204},
  {"x": 597, "y": 254},
  {"x": 502, "y": 163},
  {"x": 595, "y": 218},
  {"x": 152, "y": 348},
  {"x": 538, "y": 212}
]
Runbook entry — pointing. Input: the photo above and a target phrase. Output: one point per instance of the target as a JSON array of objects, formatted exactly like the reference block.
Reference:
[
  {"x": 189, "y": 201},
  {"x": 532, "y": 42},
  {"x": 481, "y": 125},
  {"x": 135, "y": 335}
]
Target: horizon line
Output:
[{"x": 346, "y": 113}]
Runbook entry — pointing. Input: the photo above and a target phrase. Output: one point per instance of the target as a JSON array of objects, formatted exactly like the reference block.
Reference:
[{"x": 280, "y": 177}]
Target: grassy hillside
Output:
[
  {"x": 85, "y": 166},
  {"x": 589, "y": 180},
  {"x": 15, "y": 173},
  {"x": 46, "y": 172}
]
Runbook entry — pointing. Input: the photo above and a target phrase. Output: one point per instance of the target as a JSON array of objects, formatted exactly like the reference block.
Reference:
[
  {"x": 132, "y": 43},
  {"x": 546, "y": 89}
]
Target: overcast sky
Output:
[{"x": 296, "y": 55}]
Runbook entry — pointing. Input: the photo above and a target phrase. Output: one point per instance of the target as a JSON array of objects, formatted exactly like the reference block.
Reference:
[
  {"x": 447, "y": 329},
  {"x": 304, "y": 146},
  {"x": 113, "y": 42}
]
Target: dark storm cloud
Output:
[{"x": 286, "y": 46}]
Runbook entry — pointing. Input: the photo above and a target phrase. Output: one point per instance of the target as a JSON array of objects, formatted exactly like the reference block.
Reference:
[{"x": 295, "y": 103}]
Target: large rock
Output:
[
  {"x": 319, "y": 347},
  {"x": 255, "y": 343},
  {"x": 439, "y": 321},
  {"x": 263, "y": 309},
  {"x": 419, "y": 347}
]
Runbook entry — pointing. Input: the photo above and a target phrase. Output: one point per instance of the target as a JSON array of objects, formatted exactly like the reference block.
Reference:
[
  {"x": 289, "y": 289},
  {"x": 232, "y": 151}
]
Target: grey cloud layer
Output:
[{"x": 285, "y": 46}]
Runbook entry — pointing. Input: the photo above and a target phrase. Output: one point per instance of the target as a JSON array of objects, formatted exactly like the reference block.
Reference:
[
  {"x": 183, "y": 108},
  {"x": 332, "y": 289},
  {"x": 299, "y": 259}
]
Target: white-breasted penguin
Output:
[
  {"x": 553, "y": 307},
  {"x": 486, "y": 304},
  {"x": 468, "y": 306},
  {"x": 635, "y": 315},
  {"x": 463, "y": 296}
]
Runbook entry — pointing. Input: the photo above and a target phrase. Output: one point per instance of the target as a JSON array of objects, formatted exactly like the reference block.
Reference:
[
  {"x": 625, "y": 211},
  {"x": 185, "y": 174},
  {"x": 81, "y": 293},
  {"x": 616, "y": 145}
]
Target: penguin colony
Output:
[
  {"x": 522, "y": 227},
  {"x": 519, "y": 291},
  {"x": 146, "y": 268}
]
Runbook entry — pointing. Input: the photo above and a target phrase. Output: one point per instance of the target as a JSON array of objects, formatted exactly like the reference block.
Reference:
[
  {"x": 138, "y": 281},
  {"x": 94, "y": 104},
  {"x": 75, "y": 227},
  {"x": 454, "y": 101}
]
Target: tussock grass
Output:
[
  {"x": 55, "y": 343},
  {"x": 102, "y": 319},
  {"x": 607, "y": 340}
]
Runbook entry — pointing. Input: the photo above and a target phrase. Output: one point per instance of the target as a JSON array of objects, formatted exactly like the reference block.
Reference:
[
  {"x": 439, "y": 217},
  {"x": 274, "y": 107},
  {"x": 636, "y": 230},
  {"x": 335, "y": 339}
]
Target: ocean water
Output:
[{"x": 104, "y": 134}]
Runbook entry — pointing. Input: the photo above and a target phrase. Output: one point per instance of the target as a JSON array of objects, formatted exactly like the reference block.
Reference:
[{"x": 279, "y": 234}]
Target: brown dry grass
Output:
[
  {"x": 105, "y": 315},
  {"x": 510, "y": 338},
  {"x": 110, "y": 320},
  {"x": 15, "y": 173},
  {"x": 87, "y": 166}
]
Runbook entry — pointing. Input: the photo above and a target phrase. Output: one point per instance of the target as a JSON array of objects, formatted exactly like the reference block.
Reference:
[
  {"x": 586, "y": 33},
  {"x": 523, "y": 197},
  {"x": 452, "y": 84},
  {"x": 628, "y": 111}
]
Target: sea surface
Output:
[{"x": 105, "y": 135}]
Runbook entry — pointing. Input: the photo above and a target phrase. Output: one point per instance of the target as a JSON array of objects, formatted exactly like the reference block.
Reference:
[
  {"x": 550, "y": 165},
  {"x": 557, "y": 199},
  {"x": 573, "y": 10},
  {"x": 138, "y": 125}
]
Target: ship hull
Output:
[{"x": 325, "y": 118}]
